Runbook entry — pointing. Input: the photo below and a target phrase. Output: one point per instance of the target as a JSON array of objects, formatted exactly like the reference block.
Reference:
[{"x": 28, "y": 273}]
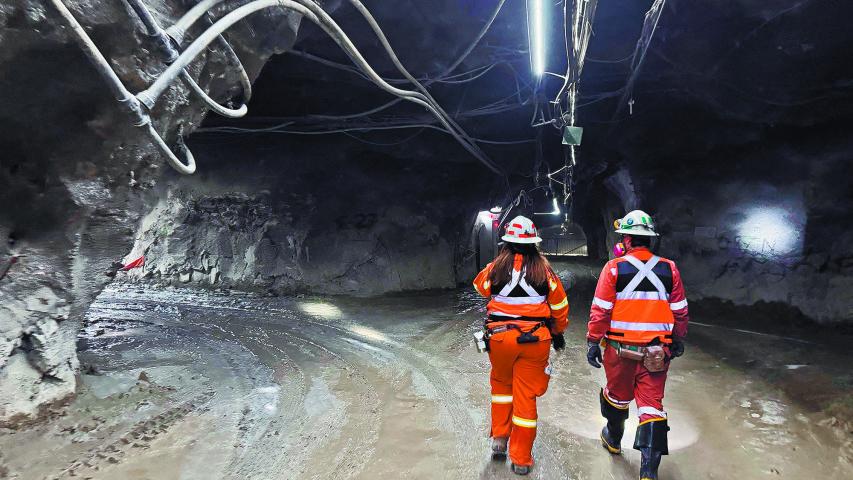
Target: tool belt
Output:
[
  {"x": 653, "y": 357},
  {"x": 526, "y": 334}
]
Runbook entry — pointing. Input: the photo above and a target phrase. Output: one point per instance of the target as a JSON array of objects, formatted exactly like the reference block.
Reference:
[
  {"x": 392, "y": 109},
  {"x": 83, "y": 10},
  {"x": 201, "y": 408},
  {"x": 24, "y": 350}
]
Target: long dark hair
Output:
[{"x": 536, "y": 266}]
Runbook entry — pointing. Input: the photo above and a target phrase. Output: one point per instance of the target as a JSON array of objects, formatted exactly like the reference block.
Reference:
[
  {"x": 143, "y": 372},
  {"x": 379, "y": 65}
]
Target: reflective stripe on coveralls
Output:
[
  {"x": 642, "y": 316},
  {"x": 519, "y": 299},
  {"x": 519, "y": 371},
  {"x": 523, "y": 422},
  {"x": 629, "y": 380},
  {"x": 621, "y": 405}
]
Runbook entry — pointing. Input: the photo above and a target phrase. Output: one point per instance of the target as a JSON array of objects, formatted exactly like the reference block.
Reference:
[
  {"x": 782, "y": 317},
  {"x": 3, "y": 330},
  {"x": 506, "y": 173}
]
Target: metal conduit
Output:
[
  {"x": 154, "y": 30},
  {"x": 121, "y": 94}
]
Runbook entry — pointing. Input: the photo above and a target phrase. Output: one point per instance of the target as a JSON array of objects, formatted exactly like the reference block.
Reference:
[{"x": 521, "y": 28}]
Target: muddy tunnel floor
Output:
[{"x": 198, "y": 385}]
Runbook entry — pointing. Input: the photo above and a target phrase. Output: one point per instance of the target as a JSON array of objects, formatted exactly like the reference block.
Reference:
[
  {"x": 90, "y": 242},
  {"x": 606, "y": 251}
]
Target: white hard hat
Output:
[
  {"x": 637, "y": 222},
  {"x": 521, "y": 230}
]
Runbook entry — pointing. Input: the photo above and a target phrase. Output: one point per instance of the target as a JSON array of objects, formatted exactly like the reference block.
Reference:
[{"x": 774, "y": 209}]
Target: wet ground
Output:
[{"x": 194, "y": 385}]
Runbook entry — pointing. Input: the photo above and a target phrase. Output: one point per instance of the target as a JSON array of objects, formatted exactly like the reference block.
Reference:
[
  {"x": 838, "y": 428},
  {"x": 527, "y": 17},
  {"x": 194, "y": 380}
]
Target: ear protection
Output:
[{"x": 619, "y": 250}]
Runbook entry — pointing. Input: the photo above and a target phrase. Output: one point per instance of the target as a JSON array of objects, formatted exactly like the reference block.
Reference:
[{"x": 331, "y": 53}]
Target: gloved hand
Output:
[
  {"x": 558, "y": 340},
  {"x": 677, "y": 348},
  {"x": 593, "y": 355}
]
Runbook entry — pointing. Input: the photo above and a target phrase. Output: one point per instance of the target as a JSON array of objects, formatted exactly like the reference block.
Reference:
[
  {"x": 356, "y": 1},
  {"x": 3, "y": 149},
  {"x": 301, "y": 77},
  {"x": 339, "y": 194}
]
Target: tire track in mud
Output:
[
  {"x": 408, "y": 357},
  {"x": 138, "y": 437},
  {"x": 259, "y": 441},
  {"x": 401, "y": 358},
  {"x": 297, "y": 344},
  {"x": 289, "y": 456},
  {"x": 252, "y": 426}
]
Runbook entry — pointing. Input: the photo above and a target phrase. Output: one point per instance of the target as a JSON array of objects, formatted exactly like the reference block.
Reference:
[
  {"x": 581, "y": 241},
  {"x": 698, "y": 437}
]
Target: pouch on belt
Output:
[{"x": 655, "y": 358}]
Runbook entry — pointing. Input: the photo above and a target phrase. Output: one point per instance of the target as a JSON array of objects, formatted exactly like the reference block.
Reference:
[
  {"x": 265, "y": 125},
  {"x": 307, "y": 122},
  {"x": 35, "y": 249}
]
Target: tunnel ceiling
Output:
[{"x": 718, "y": 76}]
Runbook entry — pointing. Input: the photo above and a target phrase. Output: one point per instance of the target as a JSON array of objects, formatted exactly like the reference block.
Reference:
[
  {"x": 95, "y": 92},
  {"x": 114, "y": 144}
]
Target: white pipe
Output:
[
  {"x": 179, "y": 29},
  {"x": 177, "y": 164},
  {"x": 153, "y": 29},
  {"x": 213, "y": 104},
  {"x": 120, "y": 92}
]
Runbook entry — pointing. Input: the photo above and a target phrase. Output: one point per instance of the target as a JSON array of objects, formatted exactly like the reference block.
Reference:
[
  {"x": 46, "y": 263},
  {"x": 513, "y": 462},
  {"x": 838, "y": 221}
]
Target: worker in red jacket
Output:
[
  {"x": 639, "y": 314},
  {"x": 527, "y": 313}
]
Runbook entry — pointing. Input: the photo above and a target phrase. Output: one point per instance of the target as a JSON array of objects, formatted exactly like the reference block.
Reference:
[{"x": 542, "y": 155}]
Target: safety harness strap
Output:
[
  {"x": 518, "y": 280},
  {"x": 644, "y": 271}
]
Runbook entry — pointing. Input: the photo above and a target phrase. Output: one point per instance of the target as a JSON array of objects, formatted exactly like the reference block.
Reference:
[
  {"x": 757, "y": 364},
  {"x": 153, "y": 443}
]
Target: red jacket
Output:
[{"x": 634, "y": 308}]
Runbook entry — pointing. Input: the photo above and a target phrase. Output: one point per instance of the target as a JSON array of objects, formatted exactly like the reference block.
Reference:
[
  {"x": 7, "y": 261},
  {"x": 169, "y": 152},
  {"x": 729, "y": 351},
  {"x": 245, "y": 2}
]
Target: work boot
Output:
[
  {"x": 611, "y": 434},
  {"x": 499, "y": 448},
  {"x": 611, "y": 438},
  {"x": 651, "y": 441},
  {"x": 649, "y": 464},
  {"x": 520, "y": 469}
]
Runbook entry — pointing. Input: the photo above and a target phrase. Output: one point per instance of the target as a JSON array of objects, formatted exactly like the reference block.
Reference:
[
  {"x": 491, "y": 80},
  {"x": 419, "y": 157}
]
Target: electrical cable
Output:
[
  {"x": 280, "y": 128},
  {"x": 396, "y": 61},
  {"x": 650, "y": 24},
  {"x": 474, "y": 73},
  {"x": 315, "y": 14},
  {"x": 445, "y": 72}
]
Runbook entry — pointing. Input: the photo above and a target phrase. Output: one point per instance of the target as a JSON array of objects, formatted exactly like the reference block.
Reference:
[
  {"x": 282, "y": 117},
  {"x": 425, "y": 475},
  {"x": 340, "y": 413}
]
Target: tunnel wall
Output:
[
  {"x": 73, "y": 170},
  {"x": 311, "y": 216},
  {"x": 763, "y": 223}
]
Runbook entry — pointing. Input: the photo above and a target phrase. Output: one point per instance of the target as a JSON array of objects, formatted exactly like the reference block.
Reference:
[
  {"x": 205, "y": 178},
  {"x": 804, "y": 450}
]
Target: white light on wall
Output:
[
  {"x": 537, "y": 36},
  {"x": 556, "y": 208},
  {"x": 771, "y": 232}
]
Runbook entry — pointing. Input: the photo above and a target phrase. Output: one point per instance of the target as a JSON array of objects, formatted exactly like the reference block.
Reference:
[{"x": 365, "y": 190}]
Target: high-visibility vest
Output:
[
  {"x": 518, "y": 299},
  {"x": 641, "y": 312}
]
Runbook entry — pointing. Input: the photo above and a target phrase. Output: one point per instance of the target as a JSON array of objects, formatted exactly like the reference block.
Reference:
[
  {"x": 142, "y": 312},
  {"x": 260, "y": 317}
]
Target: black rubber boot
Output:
[
  {"x": 649, "y": 464},
  {"x": 611, "y": 434},
  {"x": 651, "y": 441},
  {"x": 520, "y": 469}
]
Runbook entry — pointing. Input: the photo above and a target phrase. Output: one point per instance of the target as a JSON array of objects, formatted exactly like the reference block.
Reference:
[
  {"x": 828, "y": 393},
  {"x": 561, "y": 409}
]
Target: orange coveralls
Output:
[{"x": 520, "y": 371}]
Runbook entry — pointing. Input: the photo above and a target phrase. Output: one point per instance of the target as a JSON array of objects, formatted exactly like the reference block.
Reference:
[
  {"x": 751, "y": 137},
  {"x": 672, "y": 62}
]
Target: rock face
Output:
[
  {"x": 358, "y": 224},
  {"x": 74, "y": 170},
  {"x": 749, "y": 235},
  {"x": 736, "y": 141}
]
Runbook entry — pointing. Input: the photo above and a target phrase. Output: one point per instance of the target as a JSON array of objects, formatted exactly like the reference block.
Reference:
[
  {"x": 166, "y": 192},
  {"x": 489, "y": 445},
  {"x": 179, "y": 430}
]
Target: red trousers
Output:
[
  {"x": 629, "y": 380},
  {"x": 520, "y": 373}
]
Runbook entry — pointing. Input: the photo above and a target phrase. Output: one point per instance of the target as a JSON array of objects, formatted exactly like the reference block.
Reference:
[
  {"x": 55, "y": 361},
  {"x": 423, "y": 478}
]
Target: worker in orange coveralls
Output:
[
  {"x": 528, "y": 311},
  {"x": 639, "y": 313}
]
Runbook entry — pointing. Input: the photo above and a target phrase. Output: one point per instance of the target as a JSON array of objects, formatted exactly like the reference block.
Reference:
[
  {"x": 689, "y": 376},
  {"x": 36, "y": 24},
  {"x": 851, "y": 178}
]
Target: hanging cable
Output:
[
  {"x": 650, "y": 24},
  {"x": 396, "y": 61},
  {"x": 315, "y": 14},
  {"x": 445, "y": 72}
]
